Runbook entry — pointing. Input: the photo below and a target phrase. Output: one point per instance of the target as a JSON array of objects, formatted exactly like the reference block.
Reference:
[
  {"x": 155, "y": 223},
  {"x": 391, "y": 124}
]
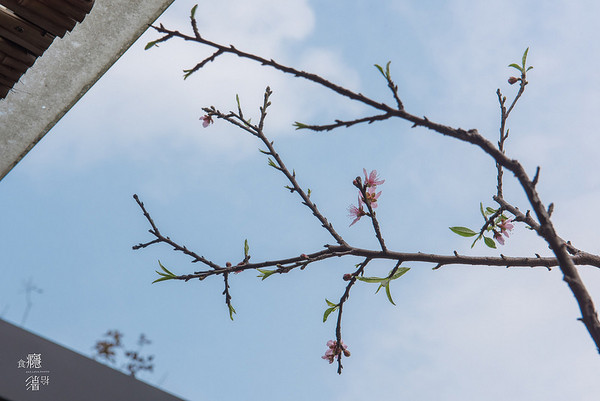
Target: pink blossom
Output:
[
  {"x": 206, "y": 120},
  {"x": 356, "y": 212},
  {"x": 372, "y": 197},
  {"x": 331, "y": 355},
  {"x": 506, "y": 226},
  {"x": 498, "y": 237},
  {"x": 371, "y": 180}
]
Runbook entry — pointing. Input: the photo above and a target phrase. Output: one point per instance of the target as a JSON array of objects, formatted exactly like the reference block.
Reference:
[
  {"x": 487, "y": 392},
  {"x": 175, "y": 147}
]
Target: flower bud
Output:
[
  {"x": 304, "y": 256},
  {"x": 228, "y": 264},
  {"x": 347, "y": 277},
  {"x": 513, "y": 80},
  {"x": 346, "y": 353},
  {"x": 206, "y": 120}
]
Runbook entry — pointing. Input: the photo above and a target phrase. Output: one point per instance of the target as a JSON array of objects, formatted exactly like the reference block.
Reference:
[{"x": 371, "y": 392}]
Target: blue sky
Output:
[{"x": 457, "y": 333}]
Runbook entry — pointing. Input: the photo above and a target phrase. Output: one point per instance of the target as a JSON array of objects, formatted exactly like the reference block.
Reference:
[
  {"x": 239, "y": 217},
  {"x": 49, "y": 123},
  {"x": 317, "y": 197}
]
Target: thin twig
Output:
[
  {"x": 160, "y": 238},
  {"x": 340, "y": 123},
  {"x": 546, "y": 230},
  {"x": 279, "y": 164},
  {"x": 363, "y": 190},
  {"x": 343, "y": 299}
]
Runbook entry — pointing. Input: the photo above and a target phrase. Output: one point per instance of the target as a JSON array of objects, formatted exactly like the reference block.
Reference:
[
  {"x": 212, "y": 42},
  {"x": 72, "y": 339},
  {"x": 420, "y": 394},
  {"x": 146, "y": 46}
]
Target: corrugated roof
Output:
[{"x": 28, "y": 28}]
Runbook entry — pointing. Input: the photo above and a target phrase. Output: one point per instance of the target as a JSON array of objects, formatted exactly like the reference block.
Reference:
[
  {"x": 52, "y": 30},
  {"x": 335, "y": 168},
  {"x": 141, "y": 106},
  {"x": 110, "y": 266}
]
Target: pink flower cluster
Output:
[
  {"x": 206, "y": 120},
  {"x": 332, "y": 352},
  {"x": 505, "y": 226},
  {"x": 370, "y": 186},
  {"x": 356, "y": 212}
]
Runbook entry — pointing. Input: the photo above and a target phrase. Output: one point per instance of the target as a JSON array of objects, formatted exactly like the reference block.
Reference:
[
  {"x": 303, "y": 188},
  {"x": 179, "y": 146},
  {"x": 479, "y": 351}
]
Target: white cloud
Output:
[
  {"x": 143, "y": 104},
  {"x": 477, "y": 333},
  {"x": 263, "y": 24}
]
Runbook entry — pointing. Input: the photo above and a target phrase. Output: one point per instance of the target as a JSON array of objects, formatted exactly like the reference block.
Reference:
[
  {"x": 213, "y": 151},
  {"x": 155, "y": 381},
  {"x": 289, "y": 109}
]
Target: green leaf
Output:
[
  {"x": 400, "y": 272},
  {"x": 371, "y": 279},
  {"x": 386, "y": 73},
  {"x": 489, "y": 210},
  {"x": 328, "y": 312},
  {"x": 529, "y": 68},
  {"x": 385, "y": 281},
  {"x": 272, "y": 164},
  {"x": 246, "y": 248},
  {"x": 476, "y": 239},
  {"x": 165, "y": 269},
  {"x": 481, "y": 210},
  {"x": 264, "y": 151},
  {"x": 150, "y": 44},
  {"x": 525, "y": 57},
  {"x": 187, "y": 73},
  {"x": 517, "y": 66},
  {"x": 237, "y": 100},
  {"x": 265, "y": 273},
  {"x": 331, "y": 308},
  {"x": 309, "y": 192},
  {"x": 389, "y": 295},
  {"x": 165, "y": 277},
  {"x": 231, "y": 311},
  {"x": 489, "y": 242},
  {"x": 299, "y": 125},
  {"x": 193, "y": 14},
  {"x": 463, "y": 231}
]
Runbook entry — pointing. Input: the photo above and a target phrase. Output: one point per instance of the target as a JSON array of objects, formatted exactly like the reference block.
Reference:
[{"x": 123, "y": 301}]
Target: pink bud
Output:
[
  {"x": 513, "y": 80},
  {"x": 206, "y": 120},
  {"x": 347, "y": 277},
  {"x": 228, "y": 264}
]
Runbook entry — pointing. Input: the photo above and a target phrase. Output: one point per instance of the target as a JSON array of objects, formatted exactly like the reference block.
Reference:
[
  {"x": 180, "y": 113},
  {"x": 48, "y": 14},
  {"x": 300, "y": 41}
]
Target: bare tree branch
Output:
[{"x": 566, "y": 256}]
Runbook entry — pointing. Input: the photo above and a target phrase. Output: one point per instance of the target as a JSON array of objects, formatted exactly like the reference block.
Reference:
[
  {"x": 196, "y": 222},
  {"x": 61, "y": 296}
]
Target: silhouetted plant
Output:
[{"x": 110, "y": 349}]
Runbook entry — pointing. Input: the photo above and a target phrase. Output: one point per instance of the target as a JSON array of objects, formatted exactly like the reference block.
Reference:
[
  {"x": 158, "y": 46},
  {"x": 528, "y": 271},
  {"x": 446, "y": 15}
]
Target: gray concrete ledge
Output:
[{"x": 67, "y": 70}]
